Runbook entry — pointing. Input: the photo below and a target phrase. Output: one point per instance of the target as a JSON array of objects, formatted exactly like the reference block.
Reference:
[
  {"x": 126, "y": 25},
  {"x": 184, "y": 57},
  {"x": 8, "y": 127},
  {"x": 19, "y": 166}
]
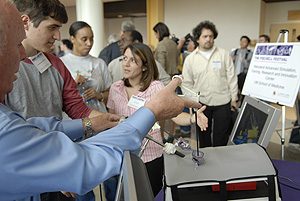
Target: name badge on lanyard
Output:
[
  {"x": 136, "y": 102},
  {"x": 40, "y": 61},
  {"x": 216, "y": 64}
]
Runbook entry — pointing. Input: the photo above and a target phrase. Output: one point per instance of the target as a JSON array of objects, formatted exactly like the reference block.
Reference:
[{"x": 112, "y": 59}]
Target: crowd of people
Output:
[{"x": 47, "y": 157}]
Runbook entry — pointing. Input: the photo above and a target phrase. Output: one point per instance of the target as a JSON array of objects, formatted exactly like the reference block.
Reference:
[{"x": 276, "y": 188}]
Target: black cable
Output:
[
  {"x": 298, "y": 189},
  {"x": 289, "y": 179},
  {"x": 168, "y": 133},
  {"x": 290, "y": 186}
]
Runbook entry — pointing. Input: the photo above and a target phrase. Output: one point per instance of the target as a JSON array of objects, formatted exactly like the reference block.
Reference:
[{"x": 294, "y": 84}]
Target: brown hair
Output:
[
  {"x": 40, "y": 10},
  {"x": 148, "y": 62}
]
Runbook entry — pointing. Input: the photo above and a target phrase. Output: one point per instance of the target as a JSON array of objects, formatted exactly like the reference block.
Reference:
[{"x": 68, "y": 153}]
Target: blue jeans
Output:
[{"x": 86, "y": 197}]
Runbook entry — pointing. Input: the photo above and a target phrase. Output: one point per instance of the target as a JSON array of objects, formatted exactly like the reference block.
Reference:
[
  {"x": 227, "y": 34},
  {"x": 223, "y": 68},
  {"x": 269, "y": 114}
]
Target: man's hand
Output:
[
  {"x": 233, "y": 58},
  {"x": 167, "y": 104},
  {"x": 233, "y": 105},
  {"x": 104, "y": 122},
  {"x": 68, "y": 194}
]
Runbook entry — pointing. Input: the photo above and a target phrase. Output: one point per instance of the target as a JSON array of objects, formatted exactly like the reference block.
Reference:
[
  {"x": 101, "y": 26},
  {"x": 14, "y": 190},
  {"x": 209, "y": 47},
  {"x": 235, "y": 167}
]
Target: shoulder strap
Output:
[
  {"x": 246, "y": 55},
  {"x": 235, "y": 52}
]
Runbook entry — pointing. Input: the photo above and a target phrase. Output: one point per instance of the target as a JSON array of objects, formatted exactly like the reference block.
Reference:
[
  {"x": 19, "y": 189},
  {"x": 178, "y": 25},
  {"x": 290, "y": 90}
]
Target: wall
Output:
[
  {"x": 233, "y": 18},
  {"x": 277, "y": 13}
]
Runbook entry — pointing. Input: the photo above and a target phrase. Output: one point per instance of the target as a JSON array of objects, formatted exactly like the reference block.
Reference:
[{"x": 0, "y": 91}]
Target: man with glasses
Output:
[{"x": 111, "y": 51}]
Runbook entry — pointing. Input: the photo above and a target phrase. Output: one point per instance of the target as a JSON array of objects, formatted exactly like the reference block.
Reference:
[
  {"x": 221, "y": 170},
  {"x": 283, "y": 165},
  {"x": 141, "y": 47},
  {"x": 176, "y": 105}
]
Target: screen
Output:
[{"x": 250, "y": 126}]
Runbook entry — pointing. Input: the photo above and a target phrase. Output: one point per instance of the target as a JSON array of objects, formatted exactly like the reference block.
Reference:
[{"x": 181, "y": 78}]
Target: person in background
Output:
[
  {"x": 241, "y": 58},
  {"x": 264, "y": 39},
  {"x": 112, "y": 51},
  {"x": 139, "y": 85},
  {"x": 186, "y": 46},
  {"x": 210, "y": 70},
  {"x": 166, "y": 54},
  {"x": 112, "y": 38},
  {"x": 90, "y": 73},
  {"x": 295, "y": 134},
  {"x": 66, "y": 47}
]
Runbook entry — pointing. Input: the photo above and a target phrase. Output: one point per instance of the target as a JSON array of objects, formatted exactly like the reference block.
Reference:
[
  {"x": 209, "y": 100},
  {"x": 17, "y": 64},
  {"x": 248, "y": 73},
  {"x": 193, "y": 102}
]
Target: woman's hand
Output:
[
  {"x": 202, "y": 120},
  {"x": 91, "y": 93},
  {"x": 80, "y": 79}
]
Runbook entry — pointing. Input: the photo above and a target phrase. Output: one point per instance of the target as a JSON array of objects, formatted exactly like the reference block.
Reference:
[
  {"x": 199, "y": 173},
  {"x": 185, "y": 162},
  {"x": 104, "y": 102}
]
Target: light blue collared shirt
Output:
[{"x": 38, "y": 156}]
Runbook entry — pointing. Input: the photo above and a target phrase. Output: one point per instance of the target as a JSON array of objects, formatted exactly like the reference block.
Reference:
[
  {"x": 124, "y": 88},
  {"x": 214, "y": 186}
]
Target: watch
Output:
[{"x": 88, "y": 127}]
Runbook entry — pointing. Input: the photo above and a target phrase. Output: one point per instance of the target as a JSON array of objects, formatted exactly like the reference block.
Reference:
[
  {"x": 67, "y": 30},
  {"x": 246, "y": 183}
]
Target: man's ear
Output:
[
  {"x": 72, "y": 38},
  {"x": 136, "y": 41},
  {"x": 26, "y": 21}
]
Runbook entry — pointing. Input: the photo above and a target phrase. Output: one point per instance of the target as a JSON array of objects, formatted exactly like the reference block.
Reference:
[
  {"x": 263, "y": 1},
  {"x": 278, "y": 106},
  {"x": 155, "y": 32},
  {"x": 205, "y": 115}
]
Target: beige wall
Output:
[
  {"x": 233, "y": 18},
  {"x": 277, "y": 13}
]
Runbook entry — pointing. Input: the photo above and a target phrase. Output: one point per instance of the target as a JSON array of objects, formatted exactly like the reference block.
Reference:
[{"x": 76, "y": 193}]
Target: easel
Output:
[{"x": 286, "y": 33}]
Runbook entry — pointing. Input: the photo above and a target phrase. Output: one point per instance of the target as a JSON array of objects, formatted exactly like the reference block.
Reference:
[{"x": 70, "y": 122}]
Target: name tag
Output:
[
  {"x": 216, "y": 64},
  {"x": 40, "y": 61},
  {"x": 136, "y": 102}
]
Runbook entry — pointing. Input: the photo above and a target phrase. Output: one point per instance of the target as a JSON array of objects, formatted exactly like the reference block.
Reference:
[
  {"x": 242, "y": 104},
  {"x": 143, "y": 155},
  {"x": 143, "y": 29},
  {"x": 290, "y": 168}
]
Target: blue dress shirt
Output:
[{"x": 37, "y": 155}]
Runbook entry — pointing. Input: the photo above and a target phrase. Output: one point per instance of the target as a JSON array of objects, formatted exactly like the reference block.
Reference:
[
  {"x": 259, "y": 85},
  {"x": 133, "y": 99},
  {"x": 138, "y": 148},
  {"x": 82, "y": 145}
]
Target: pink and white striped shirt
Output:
[{"x": 118, "y": 100}]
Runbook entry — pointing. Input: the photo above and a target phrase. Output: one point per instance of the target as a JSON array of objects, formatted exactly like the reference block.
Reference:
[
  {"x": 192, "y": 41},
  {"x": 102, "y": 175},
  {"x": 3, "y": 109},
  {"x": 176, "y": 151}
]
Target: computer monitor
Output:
[
  {"x": 255, "y": 123},
  {"x": 135, "y": 185}
]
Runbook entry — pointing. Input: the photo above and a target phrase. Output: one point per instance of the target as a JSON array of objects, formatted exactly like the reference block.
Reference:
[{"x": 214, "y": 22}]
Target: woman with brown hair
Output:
[{"x": 137, "y": 87}]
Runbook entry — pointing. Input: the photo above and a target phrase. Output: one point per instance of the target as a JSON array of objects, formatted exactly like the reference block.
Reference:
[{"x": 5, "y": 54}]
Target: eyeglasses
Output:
[{"x": 123, "y": 40}]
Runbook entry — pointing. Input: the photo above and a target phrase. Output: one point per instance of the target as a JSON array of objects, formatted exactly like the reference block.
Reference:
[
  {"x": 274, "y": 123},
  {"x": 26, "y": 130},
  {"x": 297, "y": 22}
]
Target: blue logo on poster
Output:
[{"x": 275, "y": 50}]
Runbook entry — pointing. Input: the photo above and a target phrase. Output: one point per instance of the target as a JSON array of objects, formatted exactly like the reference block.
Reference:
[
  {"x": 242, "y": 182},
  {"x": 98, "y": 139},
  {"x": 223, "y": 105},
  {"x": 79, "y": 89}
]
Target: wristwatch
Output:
[{"x": 88, "y": 127}]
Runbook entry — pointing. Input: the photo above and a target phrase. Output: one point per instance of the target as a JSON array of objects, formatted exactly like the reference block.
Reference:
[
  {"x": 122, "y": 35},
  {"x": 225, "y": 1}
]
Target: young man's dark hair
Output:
[
  {"x": 298, "y": 38},
  {"x": 246, "y": 37},
  {"x": 162, "y": 29},
  {"x": 39, "y": 10},
  {"x": 204, "y": 25},
  {"x": 267, "y": 38},
  {"x": 68, "y": 43}
]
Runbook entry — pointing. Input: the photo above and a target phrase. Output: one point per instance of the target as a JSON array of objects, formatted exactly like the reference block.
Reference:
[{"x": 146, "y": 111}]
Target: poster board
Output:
[{"x": 274, "y": 72}]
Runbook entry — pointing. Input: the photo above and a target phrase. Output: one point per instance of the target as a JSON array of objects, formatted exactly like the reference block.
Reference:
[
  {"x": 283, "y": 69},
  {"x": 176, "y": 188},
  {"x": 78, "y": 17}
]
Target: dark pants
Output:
[
  {"x": 58, "y": 196},
  {"x": 155, "y": 170},
  {"x": 221, "y": 116},
  {"x": 110, "y": 188},
  {"x": 241, "y": 81},
  {"x": 55, "y": 196}
]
